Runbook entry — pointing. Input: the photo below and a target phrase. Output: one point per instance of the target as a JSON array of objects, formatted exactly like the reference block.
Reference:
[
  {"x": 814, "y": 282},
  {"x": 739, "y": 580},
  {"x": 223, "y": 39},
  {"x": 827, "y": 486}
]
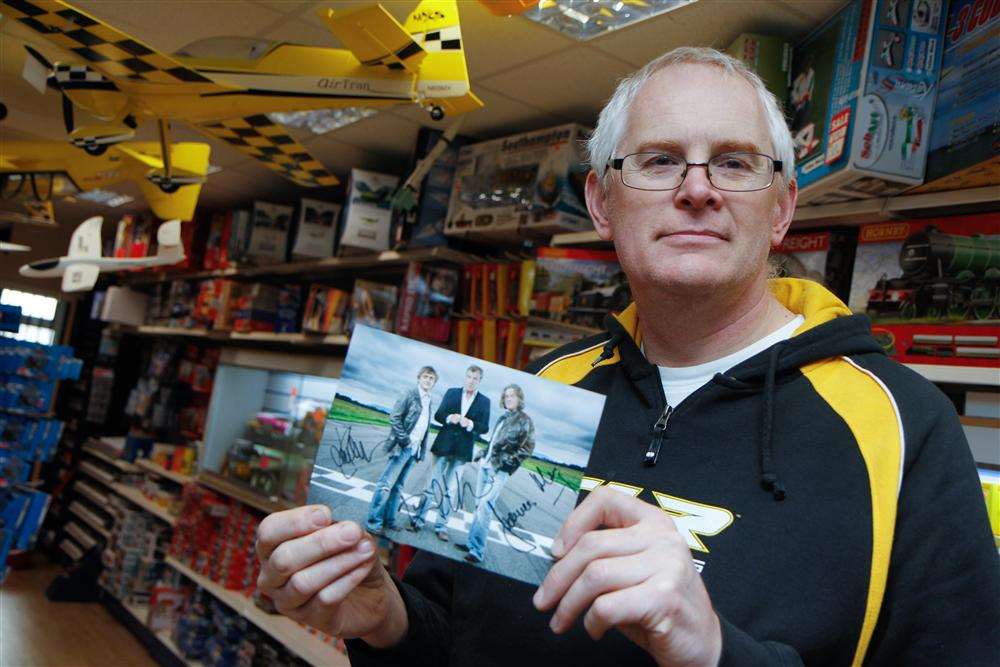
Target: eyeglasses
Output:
[{"x": 733, "y": 172}]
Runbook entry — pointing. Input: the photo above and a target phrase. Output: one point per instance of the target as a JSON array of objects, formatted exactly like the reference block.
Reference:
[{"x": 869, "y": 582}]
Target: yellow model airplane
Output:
[
  {"x": 35, "y": 172},
  {"x": 226, "y": 86}
]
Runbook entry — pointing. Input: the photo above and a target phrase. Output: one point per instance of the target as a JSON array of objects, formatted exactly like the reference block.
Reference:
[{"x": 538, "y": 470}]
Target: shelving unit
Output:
[
  {"x": 140, "y": 612},
  {"x": 123, "y": 466},
  {"x": 222, "y": 485},
  {"x": 262, "y": 338},
  {"x": 83, "y": 514},
  {"x": 154, "y": 469},
  {"x": 968, "y": 375},
  {"x": 136, "y": 497},
  {"x": 295, "y": 637}
]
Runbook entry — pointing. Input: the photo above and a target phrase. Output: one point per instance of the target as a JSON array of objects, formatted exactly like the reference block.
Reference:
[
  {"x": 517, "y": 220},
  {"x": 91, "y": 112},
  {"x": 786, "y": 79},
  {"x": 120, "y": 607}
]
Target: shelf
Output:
[
  {"x": 544, "y": 322},
  {"x": 136, "y": 496},
  {"x": 297, "y": 339},
  {"x": 124, "y": 466},
  {"x": 70, "y": 549},
  {"x": 975, "y": 375},
  {"x": 89, "y": 518},
  {"x": 153, "y": 468},
  {"x": 94, "y": 472},
  {"x": 852, "y": 212},
  {"x": 244, "y": 495},
  {"x": 140, "y": 612},
  {"x": 90, "y": 493},
  {"x": 312, "y": 269},
  {"x": 30, "y": 415},
  {"x": 295, "y": 637},
  {"x": 80, "y": 535}
]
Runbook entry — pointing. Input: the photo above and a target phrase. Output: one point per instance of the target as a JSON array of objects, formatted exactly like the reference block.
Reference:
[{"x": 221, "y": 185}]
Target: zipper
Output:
[{"x": 659, "y": 430}]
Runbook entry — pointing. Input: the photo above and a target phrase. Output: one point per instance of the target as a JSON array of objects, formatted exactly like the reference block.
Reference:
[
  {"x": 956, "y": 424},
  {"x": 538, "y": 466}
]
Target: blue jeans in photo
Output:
[
  {"x": 444, "y": 485},
  {"x": 488, "y": 487},
  {"x": 385, "y": 501}
]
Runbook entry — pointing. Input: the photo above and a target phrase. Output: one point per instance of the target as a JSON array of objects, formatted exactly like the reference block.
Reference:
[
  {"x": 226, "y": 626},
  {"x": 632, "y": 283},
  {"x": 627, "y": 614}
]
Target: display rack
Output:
[
  {"x": 139, "y": 613},
  {"x": 136, "y": 497},
  {"x": 262, "y": 338},
  {"x": 222, "y": 485},
  {"x": 966, "y": 375},
  {"x": 155, "y": 469},
  {"x": 295, "y": 637},
  {"x": 122, "y": 465}
]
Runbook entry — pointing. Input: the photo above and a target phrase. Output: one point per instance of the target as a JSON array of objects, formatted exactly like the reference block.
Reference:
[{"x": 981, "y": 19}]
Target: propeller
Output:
[{"x": 67, "y": 104}]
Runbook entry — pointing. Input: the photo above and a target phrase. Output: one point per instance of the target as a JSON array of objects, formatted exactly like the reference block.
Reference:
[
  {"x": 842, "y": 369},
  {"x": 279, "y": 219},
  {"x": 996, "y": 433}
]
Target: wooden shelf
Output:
[
  {"x": 81, "y": 536},
  {"x": 90, "y": 493},
  {"x": 153, "y": 468},
  {"x": 241, "y": 493},
  {"x": 973, "y": 375},
  {"x": 309, "y": 270},
  {"x": 70, "y": 549},
  {"x": 94, "y": 472},
  {"x": 295, "y": 637},
  {"x": 124, "y": 466},
  {"x": 83, "y": 514},
  {"x": 135, "y": 496},
  {"x": 140, "y": 612},
  {"x": 298, "y": 339},
  {"x": 565, "y": 326}
]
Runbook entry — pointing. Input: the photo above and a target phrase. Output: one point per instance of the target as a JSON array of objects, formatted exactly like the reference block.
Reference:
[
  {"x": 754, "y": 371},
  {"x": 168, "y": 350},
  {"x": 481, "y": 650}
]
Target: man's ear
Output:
[
  {"x": 784, "y": 210},
  {"x": 597, "y": 205}
]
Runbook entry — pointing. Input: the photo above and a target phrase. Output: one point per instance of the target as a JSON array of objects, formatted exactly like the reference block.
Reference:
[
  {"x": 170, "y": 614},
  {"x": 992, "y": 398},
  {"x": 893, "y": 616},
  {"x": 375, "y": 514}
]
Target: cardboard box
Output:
[
  {"x": 326, "y": 310},
  {"x": 426, "y": 303},
  {"x": 525, "y": 184},
  {"x": 965, "y": 137},
  {"x": 269, "y": 228},
  {"x": 574, "y": 285},
  {"x": 373, "y": 304},
  {"x": 217, "y": 244},
  {"x": 862, "y": 99},
  {"x": 254, "y": 307},
  {"x": 769, "y": 57},
  {"x": 930, "y": 287},
  {"x": 124, "y": 306},
  {"x": 315, "y": 229},
  {"x": 826, "y": 257},
  {"x": 368, "y": 212}
]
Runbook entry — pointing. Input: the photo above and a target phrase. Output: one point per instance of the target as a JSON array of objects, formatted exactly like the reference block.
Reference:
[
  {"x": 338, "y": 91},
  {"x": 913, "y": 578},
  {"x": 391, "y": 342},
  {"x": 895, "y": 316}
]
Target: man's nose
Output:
[{"x": 696, "y": 191}]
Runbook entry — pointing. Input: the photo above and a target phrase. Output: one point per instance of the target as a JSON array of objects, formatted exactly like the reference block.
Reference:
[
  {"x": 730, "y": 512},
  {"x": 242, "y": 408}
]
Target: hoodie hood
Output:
[{"x": 830, "y": 330}]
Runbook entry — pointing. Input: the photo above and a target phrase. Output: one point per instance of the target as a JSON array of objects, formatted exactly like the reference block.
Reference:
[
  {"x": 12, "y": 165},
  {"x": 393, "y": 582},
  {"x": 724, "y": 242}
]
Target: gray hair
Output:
[{"x": 612, "y": 122}]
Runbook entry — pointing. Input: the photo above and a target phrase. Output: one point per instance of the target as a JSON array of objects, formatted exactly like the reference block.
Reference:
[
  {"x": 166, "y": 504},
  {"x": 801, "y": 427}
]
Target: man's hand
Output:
[
  {"x": 454, "y": 418},
  {"x": 466, "y": 423},
  {"x": 636, "y": 575},
  {"x": 327, "y": 575}
]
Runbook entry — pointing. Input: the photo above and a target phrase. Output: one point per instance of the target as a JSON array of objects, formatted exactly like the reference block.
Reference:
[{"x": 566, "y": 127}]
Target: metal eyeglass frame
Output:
[{"x": 619, "y": 162}]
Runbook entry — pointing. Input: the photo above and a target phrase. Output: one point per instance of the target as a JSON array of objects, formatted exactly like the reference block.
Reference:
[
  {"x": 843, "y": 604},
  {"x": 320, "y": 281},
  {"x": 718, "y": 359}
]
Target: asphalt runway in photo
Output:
[{"x": 346, "y": 471}]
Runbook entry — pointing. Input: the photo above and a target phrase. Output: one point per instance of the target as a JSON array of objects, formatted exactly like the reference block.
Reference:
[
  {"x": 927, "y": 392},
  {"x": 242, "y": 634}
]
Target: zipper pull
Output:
[{"x": 653, "y": 451}]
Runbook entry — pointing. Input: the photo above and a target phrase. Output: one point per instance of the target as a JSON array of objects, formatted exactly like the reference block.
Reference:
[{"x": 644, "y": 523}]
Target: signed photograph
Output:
[{"x": 465, "y": 458}]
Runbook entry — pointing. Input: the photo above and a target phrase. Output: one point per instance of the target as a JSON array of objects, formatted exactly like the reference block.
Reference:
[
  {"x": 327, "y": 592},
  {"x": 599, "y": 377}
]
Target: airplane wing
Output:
[
  {"x": 375, "y": 37},
  {"x": 86, "y": 239},
  {"x": 80, "y": 277},
  {"x": 104, "y": 48},
  {"x": 263, "y": 139}
]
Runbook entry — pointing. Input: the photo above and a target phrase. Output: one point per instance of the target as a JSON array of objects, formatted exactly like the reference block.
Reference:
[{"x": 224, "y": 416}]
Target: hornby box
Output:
[
  {"x": 525, "y": 184},
  {"x": 269, "y": 227},
  {"x": 965, "y": 137},
  {"x": 368, "y": 212},
  {"x": 315, "y": 229},
  {"x": 769, "y": 57},
  {"x": 931, "y": 288},
  {"x": 826, "y": 257},
  {"x": 862, "y": 98}
]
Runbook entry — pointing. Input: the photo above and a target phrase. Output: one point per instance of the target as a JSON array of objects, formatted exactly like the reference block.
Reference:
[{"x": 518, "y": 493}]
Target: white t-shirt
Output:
[
  {"x": 679, "y": 383},
  {"x": 420, "y": 428}
]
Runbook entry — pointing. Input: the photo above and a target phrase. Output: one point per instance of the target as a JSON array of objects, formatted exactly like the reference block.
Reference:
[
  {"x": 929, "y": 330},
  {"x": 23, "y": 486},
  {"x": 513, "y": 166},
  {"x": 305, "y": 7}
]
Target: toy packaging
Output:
[
  {"x": 373, "y": 304},
  {"x": 368, "y": 212},
  {"x": 133, "y": 236},
  {"x": 826, "y": 257},
  {"x": 423, "y": 225},
  {"x": 530, "y": 183},
  {"x": 326, "y": 310},
  {"x": 989, "y": 477},
  {"x": 10, "y": 318},
  {"x": 239, "y": 236},
  {"x": 965, "y": 137},
  {"x": 930, "y": 287},
  {"x": 862, "y": 98},
  {"x": 270, "y": 224},
  {"x": 573, "y": 285},
  {"x": 769, "y": 57},
  {"x": 288, "y": 314},
  {"x": 212, "y": 307},
  {"x": 254, "y": 307},
  {"x": 316, "y": 229},
  {"x": 426, "y": 303},
  {"x": 217, "y": 244}
]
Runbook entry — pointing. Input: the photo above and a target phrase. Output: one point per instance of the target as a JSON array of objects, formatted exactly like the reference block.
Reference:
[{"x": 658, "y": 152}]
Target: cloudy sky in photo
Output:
[{"x": 380, "y": 365}]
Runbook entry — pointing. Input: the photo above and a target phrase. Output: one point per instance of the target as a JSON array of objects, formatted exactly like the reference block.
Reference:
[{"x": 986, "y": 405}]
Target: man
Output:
[
  {"x": 512, "y": 442},
  {"x": 409, "y": 426},
  {"x": 767, "y": 487},
  {"x": 464, "y": 414}
]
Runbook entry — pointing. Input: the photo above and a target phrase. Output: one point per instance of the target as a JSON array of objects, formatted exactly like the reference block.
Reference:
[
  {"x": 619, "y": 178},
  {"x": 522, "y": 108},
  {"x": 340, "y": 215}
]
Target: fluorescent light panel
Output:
[
  {"x": 586, "y": 19},
  {"x": 321, "y": 121}
]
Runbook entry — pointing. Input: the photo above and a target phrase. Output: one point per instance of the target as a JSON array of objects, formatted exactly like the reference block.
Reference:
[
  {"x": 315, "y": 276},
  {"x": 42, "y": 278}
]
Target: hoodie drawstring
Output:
[
  {"x": 608, "y": 350},
  {"x": 768, "y": 478}
]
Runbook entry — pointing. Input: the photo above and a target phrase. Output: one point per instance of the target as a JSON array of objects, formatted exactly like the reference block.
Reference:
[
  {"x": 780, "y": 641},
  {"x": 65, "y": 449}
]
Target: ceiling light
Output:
[
  {"x": 213, "y": 169},
  {"x": 106, "y": 197},
  {"x": 322, "y": 121},
  {"x": 586, "y": 19}
]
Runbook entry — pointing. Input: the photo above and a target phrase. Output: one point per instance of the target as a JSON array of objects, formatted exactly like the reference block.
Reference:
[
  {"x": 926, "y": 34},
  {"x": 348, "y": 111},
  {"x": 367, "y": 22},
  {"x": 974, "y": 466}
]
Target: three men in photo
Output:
[{"x": 409, "y": 427}]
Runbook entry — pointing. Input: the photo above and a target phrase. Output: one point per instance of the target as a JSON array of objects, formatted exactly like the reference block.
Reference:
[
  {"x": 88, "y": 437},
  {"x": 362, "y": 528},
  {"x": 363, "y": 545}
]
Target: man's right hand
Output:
[{"x": 327, "y": 575}]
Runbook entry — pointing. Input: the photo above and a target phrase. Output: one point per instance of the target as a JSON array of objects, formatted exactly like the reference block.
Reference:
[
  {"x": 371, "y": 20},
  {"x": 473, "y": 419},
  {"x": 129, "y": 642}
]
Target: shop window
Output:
[{"x": 41, "y": 316}]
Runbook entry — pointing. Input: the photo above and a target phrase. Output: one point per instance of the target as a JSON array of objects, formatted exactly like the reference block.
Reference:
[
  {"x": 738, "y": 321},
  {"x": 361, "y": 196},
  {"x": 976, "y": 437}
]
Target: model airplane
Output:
[
  {"x": 83, "y": 263},
  {"x": 226, "y": 86},
  {"x": 6, "y": 246},
  {"x": 39, "y": 171}
]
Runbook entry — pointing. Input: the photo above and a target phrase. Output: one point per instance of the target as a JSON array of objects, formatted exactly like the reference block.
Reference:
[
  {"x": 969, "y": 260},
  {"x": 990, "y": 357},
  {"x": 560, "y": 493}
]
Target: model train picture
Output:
[{"x": 945, "y": 276}]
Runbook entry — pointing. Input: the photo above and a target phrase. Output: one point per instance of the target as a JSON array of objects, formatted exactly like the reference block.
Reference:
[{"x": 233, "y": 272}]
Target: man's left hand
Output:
[
  {"x": 624, "y": 562},
  {"x": 466, "y": 423}
]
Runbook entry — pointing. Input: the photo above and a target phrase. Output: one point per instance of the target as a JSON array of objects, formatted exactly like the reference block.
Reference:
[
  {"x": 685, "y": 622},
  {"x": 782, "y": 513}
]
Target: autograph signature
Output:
[
  {"x": 545, "y": 479},
  {"x": 508, "y": 522},
  {"x": 347, "y": 452}
]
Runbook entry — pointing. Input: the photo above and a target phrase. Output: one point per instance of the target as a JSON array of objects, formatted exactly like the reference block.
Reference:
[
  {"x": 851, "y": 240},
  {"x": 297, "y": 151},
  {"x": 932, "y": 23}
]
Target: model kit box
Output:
[
  {"x": 368, "y": 212},
  {"x": 965, "y": 137},
  {"x": 862, "y": 98},
  {"x": 315, "y": 229},
  {"x": 217, "y": 243},
  {"x": 326, "y": 310},
  {"x": 573, "y": 285},
  {"x": 269, "y": 227},
  {"x": 373, "y": 304},
  {"x": 426, "y": 303},
  {"x": 769, "y": 57},
  {"x": 254, "y": 307},
  {"x": 530, "y": 183},
  {"x": 826, "y": 257},
  {"x": 930, "y": 287}
]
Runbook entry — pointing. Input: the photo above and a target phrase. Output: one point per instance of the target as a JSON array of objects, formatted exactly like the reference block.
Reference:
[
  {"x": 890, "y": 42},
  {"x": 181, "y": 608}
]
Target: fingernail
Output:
[
  {"x": 350, "y": 531},
  {"x": 366, "y": 547},
  {"x": 320, "y": 516},
  {"x": 539, "y": 597},
  {"x": 557, "y": 547},
  {"x": 554, "y": 625}
]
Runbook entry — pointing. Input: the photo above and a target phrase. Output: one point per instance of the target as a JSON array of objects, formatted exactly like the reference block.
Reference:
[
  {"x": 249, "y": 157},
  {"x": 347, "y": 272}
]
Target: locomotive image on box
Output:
[
  {"x": 932, "y": 288},
  {"x": 826, "y": 257}
]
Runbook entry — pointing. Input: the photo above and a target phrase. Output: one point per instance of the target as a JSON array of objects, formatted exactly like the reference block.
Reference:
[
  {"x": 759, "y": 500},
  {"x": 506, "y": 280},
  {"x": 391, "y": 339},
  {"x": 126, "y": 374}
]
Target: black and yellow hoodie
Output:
[{"x": 828, "y": 495}]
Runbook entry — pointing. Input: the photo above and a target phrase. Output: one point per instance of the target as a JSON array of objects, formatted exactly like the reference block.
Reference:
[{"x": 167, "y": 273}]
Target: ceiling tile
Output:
[
  {"x": 394, "y": 136},
  {"x": 561, "y": 85},
  {"x": 298, "y": 31},
  {"x": 340, "y": 157}
]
